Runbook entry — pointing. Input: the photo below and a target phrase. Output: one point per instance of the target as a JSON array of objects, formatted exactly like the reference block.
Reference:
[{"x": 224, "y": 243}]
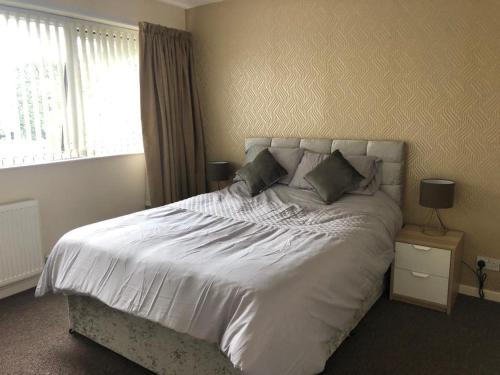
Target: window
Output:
[{"x": 68, "y": 89}]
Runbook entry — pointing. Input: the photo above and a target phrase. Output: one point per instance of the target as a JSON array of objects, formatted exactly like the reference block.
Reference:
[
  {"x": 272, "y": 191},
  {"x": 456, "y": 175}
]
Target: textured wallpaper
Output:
[{"x": 423, "y": 71}]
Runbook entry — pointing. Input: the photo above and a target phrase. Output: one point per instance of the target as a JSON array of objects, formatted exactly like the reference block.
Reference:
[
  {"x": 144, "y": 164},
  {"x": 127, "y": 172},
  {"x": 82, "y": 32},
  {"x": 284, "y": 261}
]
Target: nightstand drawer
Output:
[
  {"x": 423, "y": 259},
  {"x": 421, "y": 286}
]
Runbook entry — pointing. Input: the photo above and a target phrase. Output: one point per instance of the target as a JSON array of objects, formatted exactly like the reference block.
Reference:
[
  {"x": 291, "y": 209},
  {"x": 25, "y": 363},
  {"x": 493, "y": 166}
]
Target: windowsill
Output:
[{"x": 75, "y": 160}]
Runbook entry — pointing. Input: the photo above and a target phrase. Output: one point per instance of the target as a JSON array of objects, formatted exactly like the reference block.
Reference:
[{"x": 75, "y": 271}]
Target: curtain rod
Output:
[{"x": 62, "y": 13}]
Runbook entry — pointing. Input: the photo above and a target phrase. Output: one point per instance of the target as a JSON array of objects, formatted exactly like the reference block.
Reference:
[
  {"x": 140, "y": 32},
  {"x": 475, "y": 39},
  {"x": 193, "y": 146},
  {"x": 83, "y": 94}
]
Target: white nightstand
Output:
[{"x": 426, "y": 269}]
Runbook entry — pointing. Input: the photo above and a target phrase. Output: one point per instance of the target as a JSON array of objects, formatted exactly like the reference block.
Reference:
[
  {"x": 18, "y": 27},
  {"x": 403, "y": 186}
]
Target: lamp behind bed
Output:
[{"x": 218, "y": 171}]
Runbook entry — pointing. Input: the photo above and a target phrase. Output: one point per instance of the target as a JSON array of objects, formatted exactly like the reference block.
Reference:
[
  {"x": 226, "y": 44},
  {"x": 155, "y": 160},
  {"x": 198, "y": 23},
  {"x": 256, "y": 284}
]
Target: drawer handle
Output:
[
  {"x": 423, "y": 248},
  {"x": 420, "y": 275}
]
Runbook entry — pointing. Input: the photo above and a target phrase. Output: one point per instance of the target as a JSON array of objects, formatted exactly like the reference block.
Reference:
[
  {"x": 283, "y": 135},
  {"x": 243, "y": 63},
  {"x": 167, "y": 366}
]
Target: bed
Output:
[{"x": 224, "y": 283}]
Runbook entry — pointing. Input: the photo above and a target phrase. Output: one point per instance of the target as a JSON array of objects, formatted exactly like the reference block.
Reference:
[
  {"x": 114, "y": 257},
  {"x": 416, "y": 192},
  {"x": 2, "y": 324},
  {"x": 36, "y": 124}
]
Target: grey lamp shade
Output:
[
  {"x": 437, "y": 193},
  {"x": 218, "y": 171}
]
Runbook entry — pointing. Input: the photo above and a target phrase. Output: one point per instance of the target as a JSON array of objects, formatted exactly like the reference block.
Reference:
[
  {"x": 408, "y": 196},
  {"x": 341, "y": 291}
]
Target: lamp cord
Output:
[{"x": 481, "y": 277}]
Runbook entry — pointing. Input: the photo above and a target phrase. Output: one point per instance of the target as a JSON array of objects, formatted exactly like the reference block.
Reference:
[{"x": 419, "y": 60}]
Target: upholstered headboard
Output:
[{"x": 391, "y": 152}]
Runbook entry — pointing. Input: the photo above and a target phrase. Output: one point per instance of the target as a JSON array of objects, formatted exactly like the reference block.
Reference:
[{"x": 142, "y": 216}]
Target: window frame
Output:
[{"x": 66, "y": 18}]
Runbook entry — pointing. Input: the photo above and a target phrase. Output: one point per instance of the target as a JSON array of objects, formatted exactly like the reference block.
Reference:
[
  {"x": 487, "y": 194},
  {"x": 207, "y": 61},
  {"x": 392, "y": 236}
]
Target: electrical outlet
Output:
[{"x": 492, "y": 264}]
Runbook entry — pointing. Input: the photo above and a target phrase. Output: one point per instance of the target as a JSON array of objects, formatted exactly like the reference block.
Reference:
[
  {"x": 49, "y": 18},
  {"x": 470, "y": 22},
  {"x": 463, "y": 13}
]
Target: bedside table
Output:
[{"x": 426, "y": 269}]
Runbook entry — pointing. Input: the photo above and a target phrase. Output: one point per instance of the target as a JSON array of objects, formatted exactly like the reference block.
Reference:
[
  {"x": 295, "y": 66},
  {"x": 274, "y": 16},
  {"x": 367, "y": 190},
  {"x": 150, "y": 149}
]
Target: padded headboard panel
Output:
[{"x": 391, "y": 152}]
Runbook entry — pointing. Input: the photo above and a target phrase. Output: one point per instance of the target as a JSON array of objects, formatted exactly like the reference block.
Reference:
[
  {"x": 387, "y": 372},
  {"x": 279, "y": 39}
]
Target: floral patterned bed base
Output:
[{"x": 161, "y": 349}]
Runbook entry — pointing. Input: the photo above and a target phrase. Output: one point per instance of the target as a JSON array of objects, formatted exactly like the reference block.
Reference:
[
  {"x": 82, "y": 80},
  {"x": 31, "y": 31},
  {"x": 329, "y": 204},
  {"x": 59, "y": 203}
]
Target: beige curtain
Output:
[{"x": 171, "y": 118}]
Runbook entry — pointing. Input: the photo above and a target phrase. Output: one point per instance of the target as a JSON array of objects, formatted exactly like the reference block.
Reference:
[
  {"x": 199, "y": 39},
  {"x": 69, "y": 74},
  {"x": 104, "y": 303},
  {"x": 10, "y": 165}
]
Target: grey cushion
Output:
[
  {"x": 309, "y": 161},
  {"x": 370, "y": 167},
  {"x": 289, "y": 158},
  {"x": 374, "y": 184},
  {"x": 366, "y": 166},
  {"x": 261, "y": 173},
  {"x": 253, "y": 151},
  {"x": 333, "y": 177}
]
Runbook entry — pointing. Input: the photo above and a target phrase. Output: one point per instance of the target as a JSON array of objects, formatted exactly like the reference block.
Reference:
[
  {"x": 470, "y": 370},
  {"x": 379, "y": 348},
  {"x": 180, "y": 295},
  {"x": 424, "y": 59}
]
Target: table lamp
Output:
[
  {"x": 437, "y": 194},
  {"x": 218, "y": 171}
]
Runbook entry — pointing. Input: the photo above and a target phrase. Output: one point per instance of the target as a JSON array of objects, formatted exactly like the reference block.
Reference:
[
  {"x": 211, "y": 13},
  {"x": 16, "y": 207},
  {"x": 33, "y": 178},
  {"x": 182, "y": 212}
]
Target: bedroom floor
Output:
[{"x": 394, "y": 338}]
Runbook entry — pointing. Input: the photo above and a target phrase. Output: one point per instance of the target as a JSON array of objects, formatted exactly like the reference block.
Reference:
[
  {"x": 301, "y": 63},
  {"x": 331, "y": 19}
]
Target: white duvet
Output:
[{"x": 270, "y": 279}]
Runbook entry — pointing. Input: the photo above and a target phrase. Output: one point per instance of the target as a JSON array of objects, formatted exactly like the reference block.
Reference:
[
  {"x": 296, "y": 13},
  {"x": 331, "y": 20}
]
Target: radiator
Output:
[{"x": 20, "y": 242}]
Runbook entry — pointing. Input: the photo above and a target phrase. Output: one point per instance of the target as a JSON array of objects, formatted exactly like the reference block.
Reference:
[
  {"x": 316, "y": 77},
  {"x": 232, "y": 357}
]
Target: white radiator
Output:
[{"x": 20, "y": 242}]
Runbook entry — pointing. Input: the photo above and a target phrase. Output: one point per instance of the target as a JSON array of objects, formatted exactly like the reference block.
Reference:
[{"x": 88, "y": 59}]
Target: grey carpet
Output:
[{"x": 394, "y": 338}]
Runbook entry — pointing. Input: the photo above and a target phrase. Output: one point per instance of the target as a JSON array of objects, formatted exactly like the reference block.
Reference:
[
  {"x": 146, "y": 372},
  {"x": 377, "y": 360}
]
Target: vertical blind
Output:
[{"x": 69, "y": 89}]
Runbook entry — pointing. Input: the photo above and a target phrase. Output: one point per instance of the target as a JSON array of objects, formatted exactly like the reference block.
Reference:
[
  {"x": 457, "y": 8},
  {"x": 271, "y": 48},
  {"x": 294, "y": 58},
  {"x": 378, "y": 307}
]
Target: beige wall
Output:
[
  {"x": 80, "y": 192},
  {"x": 75, "y": 193},
  {"x": 426, "y": 72}
]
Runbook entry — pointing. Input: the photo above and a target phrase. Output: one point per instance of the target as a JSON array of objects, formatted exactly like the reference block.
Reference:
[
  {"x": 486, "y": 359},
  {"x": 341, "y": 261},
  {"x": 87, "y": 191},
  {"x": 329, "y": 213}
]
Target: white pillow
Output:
[{"x": 289, "y": 158}]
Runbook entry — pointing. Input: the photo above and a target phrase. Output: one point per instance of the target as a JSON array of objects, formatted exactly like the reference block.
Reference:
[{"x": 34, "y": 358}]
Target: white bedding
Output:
[{"x": 271, "y": 279}]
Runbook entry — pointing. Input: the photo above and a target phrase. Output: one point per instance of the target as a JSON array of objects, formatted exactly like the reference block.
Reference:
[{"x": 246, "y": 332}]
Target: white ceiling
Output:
[{"x": 187, "y": 4}]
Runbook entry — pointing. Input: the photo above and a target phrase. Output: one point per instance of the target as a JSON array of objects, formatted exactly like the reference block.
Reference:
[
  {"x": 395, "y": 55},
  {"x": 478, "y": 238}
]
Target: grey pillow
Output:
[
  {"x": 261, "y": 173},
  {"x": 368, "y": 166},
  {"x": 288, "y": 158},
  {"x": 309, "y": 161},
  {"x": 371, "y": 168},
  {"x": 333, "y": 177},
  {"x": 253, "y": 151},
  {"x": 365, "y": 165}
]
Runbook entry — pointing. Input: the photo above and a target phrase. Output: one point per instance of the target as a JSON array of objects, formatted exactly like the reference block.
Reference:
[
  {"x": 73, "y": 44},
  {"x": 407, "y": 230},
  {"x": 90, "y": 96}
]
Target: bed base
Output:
[
  {"x": 161, "y": 349},
  {"x": 148, "y": 344}
]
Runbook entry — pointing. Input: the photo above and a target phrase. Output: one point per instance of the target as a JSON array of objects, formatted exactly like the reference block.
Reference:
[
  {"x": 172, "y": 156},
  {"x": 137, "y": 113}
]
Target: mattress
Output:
[{"x": 269, "y": 279}]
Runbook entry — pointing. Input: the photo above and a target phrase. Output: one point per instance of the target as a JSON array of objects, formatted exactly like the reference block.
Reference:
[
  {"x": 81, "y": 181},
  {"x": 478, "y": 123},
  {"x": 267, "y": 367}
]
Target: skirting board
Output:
[
  {"x": 472, "y": 291},
  {"x": 18, "y": 286}
]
